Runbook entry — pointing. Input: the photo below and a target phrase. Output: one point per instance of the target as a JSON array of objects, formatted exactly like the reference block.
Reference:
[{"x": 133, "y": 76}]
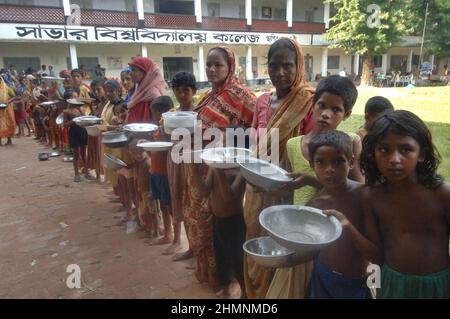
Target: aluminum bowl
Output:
[
  {"x": 225, "y": 157},
  {"x": 112, "y": 162},
  {"x": 60, "y": 119},
  {"x": 300, "y": 228},
  {"x": 93, "y": 130},
  {"x": 179, "y": 119},
  {"x": 266, "y": 252},
  {"x": 264, "y": 174},
  {"x": 114, "y": 139},
  {"x": 85, "y": 121},
  {"x": 140, "y": 130}
]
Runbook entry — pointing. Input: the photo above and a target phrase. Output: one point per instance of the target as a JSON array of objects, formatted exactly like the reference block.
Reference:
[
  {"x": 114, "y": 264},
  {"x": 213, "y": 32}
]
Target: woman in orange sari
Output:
[
  {"x": 289, "y": 110},
  {"x": 227, "y": 103},
  {"x": 7, "y": 120}
]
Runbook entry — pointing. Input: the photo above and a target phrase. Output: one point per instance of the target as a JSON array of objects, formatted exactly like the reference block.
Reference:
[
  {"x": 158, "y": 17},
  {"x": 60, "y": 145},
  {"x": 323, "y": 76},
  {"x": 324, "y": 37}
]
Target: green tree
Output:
[
  {"x": 358, "y": 28},
  {"x": 437, "y": 32}
]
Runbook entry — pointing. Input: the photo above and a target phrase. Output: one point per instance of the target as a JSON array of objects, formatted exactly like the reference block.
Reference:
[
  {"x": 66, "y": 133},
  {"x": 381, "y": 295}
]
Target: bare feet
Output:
[
  {"x": 192, "y": 265},
  {"x": 188, "y": 254},
  {"x": 172, "y": 249},
  {"x": 160, "y": 241}
]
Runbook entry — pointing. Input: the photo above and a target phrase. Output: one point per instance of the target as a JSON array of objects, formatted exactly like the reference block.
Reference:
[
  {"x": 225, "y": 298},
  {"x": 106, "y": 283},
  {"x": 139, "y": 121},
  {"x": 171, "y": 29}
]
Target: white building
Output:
[{"x": 176, "y": 34}]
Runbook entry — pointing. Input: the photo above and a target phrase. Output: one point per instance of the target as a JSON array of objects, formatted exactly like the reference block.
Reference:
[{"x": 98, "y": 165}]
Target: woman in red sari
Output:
[
  {"x": 228, "y": 103},
  {"x": 149, "y": 85}
]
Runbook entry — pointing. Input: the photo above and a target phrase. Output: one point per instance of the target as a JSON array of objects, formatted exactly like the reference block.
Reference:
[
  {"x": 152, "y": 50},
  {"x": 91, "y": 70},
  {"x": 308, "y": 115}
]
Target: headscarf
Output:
[
  {"x": 151, "y": 86},
  {"x": 295, "y": 107},
  {"x": 232, "y": 103}
]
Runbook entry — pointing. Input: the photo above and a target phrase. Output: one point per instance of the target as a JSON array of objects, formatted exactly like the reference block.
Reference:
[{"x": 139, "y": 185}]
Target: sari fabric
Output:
[
  {"x": 289, "y": 119},
  {"x": 231, "y": 104},
  {"x": 151, "y": 87},
  {"x": 7, "y": 119}
]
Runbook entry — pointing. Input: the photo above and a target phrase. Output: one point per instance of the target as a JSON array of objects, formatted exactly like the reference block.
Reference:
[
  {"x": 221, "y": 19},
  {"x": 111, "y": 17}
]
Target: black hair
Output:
[
  {"x": 68, "y": 94},
  {"x": 79, "y": 71},
  {"x": 340, "y": 86},
  {"x": 162, "y": 104},
  {"x": 280, "y": 44},
  {"x": 377, "y": 104},
  {"x": 337, "y": 139},
  {"x": 402, "y": 123},
  {"x": 224, "y": 54},
  {"x": 184, "y": 79},
  {"x": 98, "y": 81}
]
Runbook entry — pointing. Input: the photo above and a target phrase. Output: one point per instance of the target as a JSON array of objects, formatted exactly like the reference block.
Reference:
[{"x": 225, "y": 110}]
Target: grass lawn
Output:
[{"x": 431, "y": 104}]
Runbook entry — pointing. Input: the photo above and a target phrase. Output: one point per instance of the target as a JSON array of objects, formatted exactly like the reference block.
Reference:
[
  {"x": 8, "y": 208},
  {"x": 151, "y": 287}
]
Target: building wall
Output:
[
  {"x": 48, "y": 3},
  {"x": 117, "y": 5},
  {"x": 149, "y": 6},
  {"x": 301, "y": 6},
  {"x": 57, "y": 54},
  {"x": 345, "y": 61}
]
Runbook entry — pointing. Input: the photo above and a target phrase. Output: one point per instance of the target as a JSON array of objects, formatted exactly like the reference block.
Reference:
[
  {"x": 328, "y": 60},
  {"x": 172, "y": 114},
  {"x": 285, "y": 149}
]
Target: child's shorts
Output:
[
  {"x": 77, "y": 136},
  {"x": 395, "y": 285},
  {"x": 327, "y": 284},
  {"x": 160, "y": 188}
]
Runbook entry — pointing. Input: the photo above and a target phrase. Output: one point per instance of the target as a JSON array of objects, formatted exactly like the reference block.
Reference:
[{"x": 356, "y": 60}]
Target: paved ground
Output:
[{"x": 48, "y": 222}]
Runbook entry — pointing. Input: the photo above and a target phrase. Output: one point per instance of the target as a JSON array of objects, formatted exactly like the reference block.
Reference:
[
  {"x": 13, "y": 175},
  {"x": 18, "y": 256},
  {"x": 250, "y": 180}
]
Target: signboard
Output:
[{"x": 89, "y": 34}]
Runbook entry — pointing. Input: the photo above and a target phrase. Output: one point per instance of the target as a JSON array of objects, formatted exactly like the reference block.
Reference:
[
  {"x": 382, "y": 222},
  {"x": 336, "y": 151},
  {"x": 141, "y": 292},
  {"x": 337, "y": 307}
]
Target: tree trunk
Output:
[{"x": 367, "y": 69}]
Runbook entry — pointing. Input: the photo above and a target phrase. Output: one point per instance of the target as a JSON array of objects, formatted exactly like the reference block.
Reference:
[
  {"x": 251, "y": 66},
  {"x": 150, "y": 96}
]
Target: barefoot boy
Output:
[{"x": 340, "y": 268}]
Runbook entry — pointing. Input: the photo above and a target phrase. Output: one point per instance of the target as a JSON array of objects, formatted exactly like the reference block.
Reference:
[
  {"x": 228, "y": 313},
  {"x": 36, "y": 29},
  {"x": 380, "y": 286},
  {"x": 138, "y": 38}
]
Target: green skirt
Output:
[{"x": 395, "y": 285}]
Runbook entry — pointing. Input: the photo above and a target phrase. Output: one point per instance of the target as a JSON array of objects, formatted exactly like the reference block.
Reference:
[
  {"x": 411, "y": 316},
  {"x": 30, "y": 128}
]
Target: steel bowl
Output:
[
  {"x": 112, "y": 162},
  {"x": 85, "y": 121},
  {"x": 140, "y": 130},
  {"x": 3, "y": 106},
  {"x": 225, "y": 157},
  {"x": 300, "y": 228},
  {"x": 179, "y": 119},
  {"x": 93, "y": 130},
  {"x": 114, "y": 139},
  {"x": 60, "y": 119},
  {"x": 155, "y": 146},
  {"x": 264, "y": 174},
  {"x": 266, "y": 252}
]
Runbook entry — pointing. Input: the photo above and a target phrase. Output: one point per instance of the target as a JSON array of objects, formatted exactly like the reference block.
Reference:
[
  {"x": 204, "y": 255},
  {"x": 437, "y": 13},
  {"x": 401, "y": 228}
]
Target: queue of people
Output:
[{"x": 378, "y": 182}]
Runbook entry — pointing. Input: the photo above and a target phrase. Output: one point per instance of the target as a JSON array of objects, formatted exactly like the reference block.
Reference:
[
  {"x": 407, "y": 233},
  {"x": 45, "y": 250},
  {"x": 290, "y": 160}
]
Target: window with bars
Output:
[{"x": 333, "y": 62}]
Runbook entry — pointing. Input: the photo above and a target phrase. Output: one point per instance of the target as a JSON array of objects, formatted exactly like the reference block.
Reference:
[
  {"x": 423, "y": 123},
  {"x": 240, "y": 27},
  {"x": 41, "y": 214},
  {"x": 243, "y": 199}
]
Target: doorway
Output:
[{"x": 174, "y": 65}]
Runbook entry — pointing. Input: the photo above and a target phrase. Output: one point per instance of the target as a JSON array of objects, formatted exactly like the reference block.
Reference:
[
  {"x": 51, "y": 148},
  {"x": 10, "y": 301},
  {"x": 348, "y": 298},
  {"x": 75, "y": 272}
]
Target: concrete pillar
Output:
[
  {"x": 356, "y": 64},
  {"x": 66, "y": 6},
  {"x": 201, "y": 64},
  {"x": 326, "y": 15},
  {"x": 384, "y": 60},
  {"x": 409, "y": 64},
  {"x": 198, "y": 11},
  {"x": 432, "y": 61},
  {"x": 140, "y": 10},
  {"x": 324, "y": 62},
  {"x": 73, "y": 55},
  {"x": 248, "y": 64},
  {"x": 144, "y": 51},
  {"x": 289, "y": 6},
  {"x": 248, "y": 12}
]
